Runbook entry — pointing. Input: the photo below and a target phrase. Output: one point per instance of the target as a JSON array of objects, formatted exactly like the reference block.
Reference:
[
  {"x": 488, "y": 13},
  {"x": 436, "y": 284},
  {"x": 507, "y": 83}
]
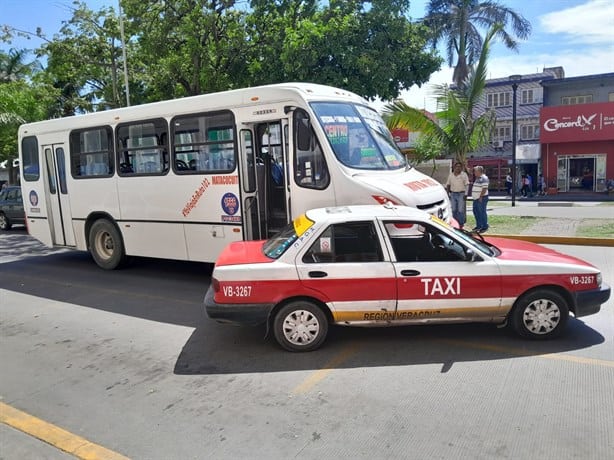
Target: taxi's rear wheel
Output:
[
  {"x": 300, "y": 326},
  {"x": 541, "y": 314}
]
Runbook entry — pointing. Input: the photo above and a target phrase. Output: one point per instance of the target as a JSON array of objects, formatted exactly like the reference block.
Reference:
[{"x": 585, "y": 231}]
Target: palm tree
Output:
[
  {"x": 8, "y": 118},
  {"x": 457, "y": 130},
  {"x": 456, "y": 22},
  {"x": 13, "y": 66}
]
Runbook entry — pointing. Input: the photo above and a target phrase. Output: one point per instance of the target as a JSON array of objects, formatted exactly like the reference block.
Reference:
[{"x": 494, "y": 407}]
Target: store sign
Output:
[
  {"x": 400, "y": 135},
  {"x": 577, "y": 123}
]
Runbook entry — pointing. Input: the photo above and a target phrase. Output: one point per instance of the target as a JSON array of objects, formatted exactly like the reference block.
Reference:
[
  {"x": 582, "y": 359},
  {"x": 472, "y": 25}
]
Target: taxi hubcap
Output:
[
  {"x": 541, "y": 316},
  {"x": 301, "y": 327}
]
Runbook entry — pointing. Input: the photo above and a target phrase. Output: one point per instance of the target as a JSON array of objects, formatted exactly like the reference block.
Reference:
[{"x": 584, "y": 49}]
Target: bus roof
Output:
[{"x": 257, "y": 95}]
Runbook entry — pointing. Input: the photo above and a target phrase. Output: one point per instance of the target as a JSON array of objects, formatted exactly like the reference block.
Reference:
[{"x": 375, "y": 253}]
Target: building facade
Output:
[
  {"x": 496, "y": 157},
  {"x": 577, "y": 133}
]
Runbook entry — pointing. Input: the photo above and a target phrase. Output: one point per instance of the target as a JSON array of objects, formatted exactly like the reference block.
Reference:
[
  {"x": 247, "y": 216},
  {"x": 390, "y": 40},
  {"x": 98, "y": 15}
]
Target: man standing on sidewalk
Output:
[
  {"x": 456, "y": 185},
  {"x": 479, "y": 193}
]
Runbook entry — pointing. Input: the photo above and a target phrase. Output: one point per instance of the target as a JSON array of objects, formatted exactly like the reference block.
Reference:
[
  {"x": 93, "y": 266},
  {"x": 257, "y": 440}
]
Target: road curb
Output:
[
  {"x": 55, "y": 436},
  {"x": 568, "y": 240}
]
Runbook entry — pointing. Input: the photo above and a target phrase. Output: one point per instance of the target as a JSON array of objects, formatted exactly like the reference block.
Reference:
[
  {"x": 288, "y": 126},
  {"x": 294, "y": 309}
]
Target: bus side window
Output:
[
  {"x": 91, "y": 152},
  {"x": 203, "y": 143},
  {"x": 142, "y": 147}
]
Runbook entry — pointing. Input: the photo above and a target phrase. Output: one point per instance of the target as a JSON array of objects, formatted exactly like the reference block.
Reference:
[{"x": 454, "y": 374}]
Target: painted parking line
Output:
[
  {"x": 528, "y": 353},
  {"x": 55, "y": 436},
  {"x": 321, "y": 374}
]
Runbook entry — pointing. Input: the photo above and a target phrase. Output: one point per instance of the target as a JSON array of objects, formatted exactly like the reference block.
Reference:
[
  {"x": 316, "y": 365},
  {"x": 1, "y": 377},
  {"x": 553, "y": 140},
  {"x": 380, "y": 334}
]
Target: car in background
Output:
[
  {"x": 11, "y": 207},
  {"x": 392, "y": 265}
]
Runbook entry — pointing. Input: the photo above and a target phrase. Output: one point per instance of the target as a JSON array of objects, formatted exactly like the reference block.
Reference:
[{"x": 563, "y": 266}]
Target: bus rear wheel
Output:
[{"x": 106, "y": 245}]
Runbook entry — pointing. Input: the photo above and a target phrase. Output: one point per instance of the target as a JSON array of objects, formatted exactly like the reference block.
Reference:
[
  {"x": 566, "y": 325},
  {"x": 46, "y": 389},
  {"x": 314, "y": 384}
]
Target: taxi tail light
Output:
[
  {"x": 384, "y": 199},
  {"x": 216, "y": 285}
]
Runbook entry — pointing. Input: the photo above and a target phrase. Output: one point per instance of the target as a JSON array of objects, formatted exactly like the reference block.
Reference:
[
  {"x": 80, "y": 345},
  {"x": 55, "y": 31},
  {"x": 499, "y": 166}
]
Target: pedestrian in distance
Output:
[
  {"x": 530, "y": 182},
  {"x": 508, "y": 184},
  {"x": 524, "y": 191},
  {"x": 457, "y": 185},
  {"x": 541, "y": 185},
  {"x": 479, "y": 193}
]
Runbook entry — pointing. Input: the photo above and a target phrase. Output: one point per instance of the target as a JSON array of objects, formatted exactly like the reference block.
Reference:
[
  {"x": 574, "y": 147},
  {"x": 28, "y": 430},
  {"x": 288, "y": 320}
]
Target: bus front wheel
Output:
[{"x": 106, "y": 245}]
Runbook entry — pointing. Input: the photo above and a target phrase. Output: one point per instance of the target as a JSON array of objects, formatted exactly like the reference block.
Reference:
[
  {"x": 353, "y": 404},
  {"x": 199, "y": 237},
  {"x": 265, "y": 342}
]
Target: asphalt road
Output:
[{"x": 127, "y": 360}]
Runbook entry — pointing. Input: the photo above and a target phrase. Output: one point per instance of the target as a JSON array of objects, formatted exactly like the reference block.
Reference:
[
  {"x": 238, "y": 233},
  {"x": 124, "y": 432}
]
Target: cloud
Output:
[
  {"x": 575, "y": 62},
  {"x": 422, "y": 97},
  {"x": 591, "y": 22}
]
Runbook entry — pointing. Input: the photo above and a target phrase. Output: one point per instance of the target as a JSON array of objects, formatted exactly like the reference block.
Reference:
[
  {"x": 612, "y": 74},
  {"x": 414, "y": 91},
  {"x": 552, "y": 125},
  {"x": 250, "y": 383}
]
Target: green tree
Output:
[
  {"x": 85, "y": 62},
  {"x": 20, "y": 102},
  {"x": 457, "y": 24},
  {"x": 13, "y": 66},
  {"x": 366, "y": 47},
  {"x": 188, "y": 47},
  {"x": 457, "y": 130}
]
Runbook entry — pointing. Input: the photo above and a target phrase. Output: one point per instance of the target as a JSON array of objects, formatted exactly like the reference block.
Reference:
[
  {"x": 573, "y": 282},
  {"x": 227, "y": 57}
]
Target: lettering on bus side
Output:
[
  {"x": 204, "y": 185},
  {"x": 224, "y": 180}
]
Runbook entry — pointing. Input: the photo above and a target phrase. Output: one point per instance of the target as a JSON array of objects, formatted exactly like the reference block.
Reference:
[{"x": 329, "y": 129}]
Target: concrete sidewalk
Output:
[
  {"x": 553, "y": 209},
  {"x": 555, "y": 222}
]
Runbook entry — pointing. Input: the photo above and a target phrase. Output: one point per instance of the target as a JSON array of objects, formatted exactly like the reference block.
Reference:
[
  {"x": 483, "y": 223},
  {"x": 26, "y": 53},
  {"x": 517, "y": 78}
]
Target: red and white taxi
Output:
[{"x": 392, "y": 265}]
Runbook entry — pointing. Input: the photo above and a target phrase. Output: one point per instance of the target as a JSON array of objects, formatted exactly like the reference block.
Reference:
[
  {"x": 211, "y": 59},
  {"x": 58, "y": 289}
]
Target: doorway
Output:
[{"x": 582, "y": 174}]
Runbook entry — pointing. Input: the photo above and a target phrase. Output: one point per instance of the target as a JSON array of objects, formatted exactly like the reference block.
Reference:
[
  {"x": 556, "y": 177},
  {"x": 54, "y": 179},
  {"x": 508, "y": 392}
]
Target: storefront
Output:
[{"x": 577, "y": 146}]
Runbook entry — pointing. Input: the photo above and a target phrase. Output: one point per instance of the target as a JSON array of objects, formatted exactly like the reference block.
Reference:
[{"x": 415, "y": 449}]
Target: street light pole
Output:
[
  {"x": 514, "y": 79},
  {"x": 123, "y": 38}
]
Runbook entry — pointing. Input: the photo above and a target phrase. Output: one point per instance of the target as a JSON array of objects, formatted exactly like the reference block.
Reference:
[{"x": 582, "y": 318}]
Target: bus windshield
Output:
[{"x": 358, "y": 136}]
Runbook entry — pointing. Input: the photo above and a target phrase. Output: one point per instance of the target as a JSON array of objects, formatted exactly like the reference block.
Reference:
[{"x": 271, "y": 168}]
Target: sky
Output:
[{"x": 577, "y": 35}]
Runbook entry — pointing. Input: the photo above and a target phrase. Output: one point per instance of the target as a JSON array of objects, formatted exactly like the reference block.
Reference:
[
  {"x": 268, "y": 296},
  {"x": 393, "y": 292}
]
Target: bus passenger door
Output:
[
  {"x": 271, "y": 157},
  {"x": 58, "y": 205},
  {"x": 249, "y": 167},
  {"x": 264, "y": 166}
]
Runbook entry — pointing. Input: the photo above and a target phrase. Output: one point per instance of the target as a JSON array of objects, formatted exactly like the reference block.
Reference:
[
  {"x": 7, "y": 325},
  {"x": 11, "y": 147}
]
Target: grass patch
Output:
[
  {"x": 596, "y": 228},
  {"x": 505, "y": 225}
]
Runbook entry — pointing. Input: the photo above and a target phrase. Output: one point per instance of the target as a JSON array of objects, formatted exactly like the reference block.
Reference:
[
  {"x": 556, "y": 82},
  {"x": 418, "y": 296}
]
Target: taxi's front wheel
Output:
[
  {"x": 300, "y": 326},
  {"x": 541, "y": 314}
]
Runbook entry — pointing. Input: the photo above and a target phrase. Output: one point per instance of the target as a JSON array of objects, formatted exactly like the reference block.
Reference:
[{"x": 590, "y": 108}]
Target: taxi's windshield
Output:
[
  {"x": 469, "y": 239},
  {"x": 482, "y": 245},
  {"x": 275, "y": 246},
  {"x": 358, "y": 136}
]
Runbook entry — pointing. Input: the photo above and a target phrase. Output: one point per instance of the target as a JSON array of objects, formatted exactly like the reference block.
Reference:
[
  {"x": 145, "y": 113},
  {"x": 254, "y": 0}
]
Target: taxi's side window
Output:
[
  {"x": 347, "y": 242},
  {"x": 414, "y": 242}
]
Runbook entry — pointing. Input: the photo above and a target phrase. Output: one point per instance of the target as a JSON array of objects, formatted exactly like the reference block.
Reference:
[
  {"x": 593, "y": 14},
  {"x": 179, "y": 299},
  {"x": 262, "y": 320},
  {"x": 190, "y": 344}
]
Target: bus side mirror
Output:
[{"x": 303, "y": 134}]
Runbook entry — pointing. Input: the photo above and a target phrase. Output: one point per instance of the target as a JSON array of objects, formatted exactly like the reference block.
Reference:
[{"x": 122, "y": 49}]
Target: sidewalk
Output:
[
  {"x": 575, "y": 197},
  {"x": 555, "y": 219}
]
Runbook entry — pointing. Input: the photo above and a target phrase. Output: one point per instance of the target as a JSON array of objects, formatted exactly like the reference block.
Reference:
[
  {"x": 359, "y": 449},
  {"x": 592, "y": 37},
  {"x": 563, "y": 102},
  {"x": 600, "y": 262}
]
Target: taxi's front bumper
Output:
[
  {"x": 589, "y": 302},
  {"x": 245, "y": 314}
]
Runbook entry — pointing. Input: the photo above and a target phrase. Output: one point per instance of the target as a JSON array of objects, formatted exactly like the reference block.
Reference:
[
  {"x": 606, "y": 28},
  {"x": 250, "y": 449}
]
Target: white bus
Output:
[{"x": 180, "y": 179}]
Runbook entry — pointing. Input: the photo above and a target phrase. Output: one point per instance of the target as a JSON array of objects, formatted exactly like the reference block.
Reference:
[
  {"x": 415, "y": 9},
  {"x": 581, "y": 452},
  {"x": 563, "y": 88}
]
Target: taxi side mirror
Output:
[{"x": 471, "y": 256}]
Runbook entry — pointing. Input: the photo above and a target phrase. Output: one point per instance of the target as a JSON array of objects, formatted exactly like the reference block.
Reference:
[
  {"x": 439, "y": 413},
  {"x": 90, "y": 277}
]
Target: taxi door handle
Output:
[
  {"x": 410, "y": 272},
  {"x": 318, "y": 274}
]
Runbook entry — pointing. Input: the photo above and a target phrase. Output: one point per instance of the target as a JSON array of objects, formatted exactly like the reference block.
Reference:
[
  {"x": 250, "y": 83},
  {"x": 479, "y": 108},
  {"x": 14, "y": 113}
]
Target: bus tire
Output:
[
  {"x": 300, "y": 326},
  {"x": 106, "y": 245}
]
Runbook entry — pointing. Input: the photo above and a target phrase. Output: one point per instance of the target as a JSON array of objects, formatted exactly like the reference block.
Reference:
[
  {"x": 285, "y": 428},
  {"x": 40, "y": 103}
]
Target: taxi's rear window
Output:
[{"x": 275, "y": 246}]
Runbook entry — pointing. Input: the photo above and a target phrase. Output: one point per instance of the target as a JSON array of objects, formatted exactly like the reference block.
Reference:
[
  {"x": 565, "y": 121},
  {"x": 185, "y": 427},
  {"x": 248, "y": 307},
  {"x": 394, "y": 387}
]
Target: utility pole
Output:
[{"x": 123, "y": 38}]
